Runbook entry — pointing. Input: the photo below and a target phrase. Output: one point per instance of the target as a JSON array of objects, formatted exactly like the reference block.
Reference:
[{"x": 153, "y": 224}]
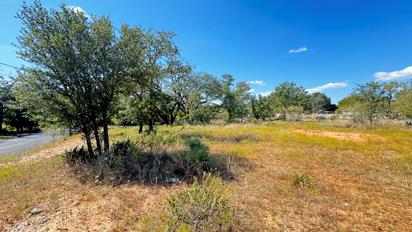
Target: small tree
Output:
[
  {"x": 234, "y": 100},
  {"x": 390, "y": 90},
  {"x": 319, "y": 102},
  {"x": 260, "y": 107},
  {"x": 371, "y": 99},
  {"x": 242, "y": 97},
  {"x": 286, "y": 95}
]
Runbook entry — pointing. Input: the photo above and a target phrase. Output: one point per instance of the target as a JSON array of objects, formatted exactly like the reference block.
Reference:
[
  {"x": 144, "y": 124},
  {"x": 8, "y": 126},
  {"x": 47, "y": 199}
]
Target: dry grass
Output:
[{"x": 358, "y": 185}]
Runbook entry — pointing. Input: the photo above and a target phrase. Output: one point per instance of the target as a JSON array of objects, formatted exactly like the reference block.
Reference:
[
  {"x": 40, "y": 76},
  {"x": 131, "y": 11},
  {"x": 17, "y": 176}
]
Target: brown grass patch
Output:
[{"x": 351, "y": 136}]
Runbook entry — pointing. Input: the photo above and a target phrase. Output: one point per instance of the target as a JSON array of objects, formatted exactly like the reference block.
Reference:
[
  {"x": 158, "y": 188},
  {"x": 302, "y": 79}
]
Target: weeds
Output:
[{"x": 202, "y": 207}]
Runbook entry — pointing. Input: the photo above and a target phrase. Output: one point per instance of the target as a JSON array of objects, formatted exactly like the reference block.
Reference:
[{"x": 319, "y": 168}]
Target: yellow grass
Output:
[{"x": 362, "y": 183}]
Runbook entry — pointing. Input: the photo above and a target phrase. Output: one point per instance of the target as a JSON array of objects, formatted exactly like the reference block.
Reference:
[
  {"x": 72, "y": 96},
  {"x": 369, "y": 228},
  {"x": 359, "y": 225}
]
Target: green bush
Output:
[
  {"x": 199, "y": 152},
  {"x": 123, "y": 157},
  {"x": 202, "y": 207}
]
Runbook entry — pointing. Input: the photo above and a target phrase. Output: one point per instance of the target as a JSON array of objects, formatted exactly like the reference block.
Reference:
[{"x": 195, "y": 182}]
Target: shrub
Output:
[
  {"x": 203, "y": 206},
  {"x": 199, "y": 152},
  {"x": 123, "y": 157},
  {"x": 302, "y": 180},
  {"x": 198, "y": 159},
  {"x": 76, "y": 155}
]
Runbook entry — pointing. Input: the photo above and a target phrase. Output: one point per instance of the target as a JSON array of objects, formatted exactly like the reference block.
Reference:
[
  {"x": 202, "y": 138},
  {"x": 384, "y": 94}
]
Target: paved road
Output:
[{"x": 19, "y": 145}]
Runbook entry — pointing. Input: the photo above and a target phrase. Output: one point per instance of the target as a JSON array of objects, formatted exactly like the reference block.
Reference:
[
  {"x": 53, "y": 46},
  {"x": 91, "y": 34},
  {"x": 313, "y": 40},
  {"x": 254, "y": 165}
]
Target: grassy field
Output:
[{"x": 287, "y": 177}]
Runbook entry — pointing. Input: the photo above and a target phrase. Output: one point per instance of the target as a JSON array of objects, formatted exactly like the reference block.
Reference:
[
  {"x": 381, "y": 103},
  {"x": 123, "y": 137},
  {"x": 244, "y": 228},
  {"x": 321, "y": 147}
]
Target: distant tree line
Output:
[
  {"x": 84, "y": 75},
  {"x": 13, "y": 115},
  {"x": 374, "y": 100}
]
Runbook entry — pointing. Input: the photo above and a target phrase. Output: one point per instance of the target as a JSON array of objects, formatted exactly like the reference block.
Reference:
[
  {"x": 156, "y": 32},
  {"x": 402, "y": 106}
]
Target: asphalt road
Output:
[{"x": 24, "y": 143}]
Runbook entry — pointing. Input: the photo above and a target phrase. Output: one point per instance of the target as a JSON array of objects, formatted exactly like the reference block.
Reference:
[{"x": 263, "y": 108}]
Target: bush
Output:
[
  {"x": 199, "y": 153},
  {"x": 123, "y": 157},
  {"x": 202, "y": 207}
]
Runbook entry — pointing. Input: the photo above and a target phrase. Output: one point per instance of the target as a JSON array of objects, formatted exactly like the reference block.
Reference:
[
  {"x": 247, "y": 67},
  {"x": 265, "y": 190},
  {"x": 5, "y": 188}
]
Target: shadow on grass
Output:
[{"x": 127, "y": 163}]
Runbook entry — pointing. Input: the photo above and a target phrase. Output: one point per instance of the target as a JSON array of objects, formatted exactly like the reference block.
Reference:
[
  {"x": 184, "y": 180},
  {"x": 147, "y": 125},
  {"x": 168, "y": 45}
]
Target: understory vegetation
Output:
[{"x": 149, "y": 163}]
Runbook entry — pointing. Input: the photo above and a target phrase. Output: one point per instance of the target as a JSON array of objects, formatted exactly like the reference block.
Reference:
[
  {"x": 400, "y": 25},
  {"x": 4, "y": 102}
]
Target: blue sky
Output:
[{"x": 323, "y": 45}]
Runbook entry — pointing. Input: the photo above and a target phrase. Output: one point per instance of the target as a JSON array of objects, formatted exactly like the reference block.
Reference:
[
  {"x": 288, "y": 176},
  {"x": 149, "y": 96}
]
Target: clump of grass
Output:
[
  {"x": 202, "y": 207},
  {"x": 302, "y": 180}
]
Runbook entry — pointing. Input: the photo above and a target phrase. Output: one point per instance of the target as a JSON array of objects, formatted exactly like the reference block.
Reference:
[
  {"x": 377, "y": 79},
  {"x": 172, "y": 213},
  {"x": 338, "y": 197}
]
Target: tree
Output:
[
  {"x": 195, "y": 94},
  {"x": 390, "y": 90},
  {"x": 260, "y": 107},
  {"x": 286, "y": 95},
  {"x": 5, "y": 96},
  {"x": 17, "y": 118},
  {"x": 403, "y": 102},
  {"x": 234, "y": 100},
  {"x": 371, "y": 99},
  {"x": 242, "y": 97},
  {"x": 319, "y": 102},
  {"x": 77, "y": 66},
  {"x": 228, "y": 95}
]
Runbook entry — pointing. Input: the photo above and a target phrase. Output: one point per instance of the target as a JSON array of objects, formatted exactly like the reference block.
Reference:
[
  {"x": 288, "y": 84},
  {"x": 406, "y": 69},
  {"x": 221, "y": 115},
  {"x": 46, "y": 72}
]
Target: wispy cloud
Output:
[
  {"x": 332, "y": 85},
  {"x": 78, "y": 9},
  {"x": 298, "y": 50},
  {"x": 256, "y": 82},
  {"x": 387, "y": 76}
]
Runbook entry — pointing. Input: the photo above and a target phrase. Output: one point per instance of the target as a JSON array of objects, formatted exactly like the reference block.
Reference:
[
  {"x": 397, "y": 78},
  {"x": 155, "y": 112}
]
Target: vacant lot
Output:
[{"x": 357, "y": 179}]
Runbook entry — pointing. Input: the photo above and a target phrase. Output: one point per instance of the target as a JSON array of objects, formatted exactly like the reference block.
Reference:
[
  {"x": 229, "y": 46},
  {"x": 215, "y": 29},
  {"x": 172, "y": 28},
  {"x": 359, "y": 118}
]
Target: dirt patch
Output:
[
  {"x": 97, "y": 208},
  {"x": 351, "y": 136}
]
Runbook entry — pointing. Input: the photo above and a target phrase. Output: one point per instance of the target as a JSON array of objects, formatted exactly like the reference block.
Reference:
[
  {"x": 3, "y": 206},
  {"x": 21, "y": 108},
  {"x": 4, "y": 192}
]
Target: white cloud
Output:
[
  {"x": 336, "y": 85},
  {"x": 256, "y": 82},
  {"x": 387, "y": 76},
  {"x": 251, "y": 90},
  {"x": 298, "y": 50},
  {"x": 78, "y": 10},
  {"x": 263, "y": 94}
]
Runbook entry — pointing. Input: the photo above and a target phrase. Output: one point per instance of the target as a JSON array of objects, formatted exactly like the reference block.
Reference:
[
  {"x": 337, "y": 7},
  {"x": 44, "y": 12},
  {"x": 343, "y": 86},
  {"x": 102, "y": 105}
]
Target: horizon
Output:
[{"x": 315, "y": 45}]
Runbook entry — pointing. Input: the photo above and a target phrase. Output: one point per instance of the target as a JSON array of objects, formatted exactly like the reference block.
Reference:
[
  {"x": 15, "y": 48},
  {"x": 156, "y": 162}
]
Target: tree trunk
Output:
[
  {"x": 140, "y": 127},
  {"x": 106, "y": 136},
  {"x": 150, "y": 126},
  {"x": 97, "y": 137},
  {"x": 172, "y": 119},
  {"x": 106, "y": 145},
  {"x": 89, "y": 143}
]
